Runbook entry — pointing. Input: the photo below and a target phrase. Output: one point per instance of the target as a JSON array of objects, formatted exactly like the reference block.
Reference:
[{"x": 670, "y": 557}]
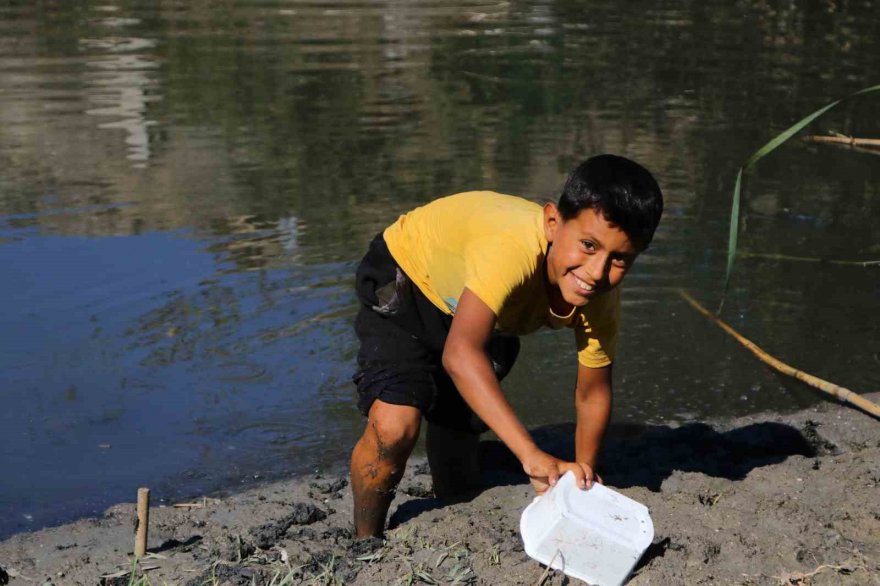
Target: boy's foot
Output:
[{"x": 366, "y": 545}]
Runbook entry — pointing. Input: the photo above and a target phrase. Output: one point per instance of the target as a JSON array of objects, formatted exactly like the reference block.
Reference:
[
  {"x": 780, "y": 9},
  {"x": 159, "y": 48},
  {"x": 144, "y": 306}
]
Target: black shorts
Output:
[{"x": 401, "y": 336}]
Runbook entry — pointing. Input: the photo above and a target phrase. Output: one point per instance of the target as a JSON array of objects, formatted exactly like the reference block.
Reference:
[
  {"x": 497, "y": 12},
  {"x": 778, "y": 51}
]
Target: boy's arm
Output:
[
  {"x": 593, "y": 407},
  {"x": 464, "y": 358}
]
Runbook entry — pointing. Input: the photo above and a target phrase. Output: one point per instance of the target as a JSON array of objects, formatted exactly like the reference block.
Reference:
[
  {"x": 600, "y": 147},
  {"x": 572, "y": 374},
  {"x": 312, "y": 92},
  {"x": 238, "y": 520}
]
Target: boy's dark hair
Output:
[{"x": 624, "y": 192}]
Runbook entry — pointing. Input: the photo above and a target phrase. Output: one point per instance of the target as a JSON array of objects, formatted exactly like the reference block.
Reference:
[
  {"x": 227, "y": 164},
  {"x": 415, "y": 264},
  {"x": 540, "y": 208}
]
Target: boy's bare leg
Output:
[
  {"x": 378, "y": 462},
  {"x": 452, "y": 455}
]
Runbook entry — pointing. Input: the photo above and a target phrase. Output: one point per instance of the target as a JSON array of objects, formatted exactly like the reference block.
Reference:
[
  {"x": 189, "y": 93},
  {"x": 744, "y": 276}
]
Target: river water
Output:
[{"x": 186, "y": 188}]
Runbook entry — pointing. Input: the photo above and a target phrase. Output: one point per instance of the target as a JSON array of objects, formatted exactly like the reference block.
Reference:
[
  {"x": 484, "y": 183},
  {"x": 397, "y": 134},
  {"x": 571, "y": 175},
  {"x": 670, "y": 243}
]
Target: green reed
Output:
[{"x": 747, "y": 166}]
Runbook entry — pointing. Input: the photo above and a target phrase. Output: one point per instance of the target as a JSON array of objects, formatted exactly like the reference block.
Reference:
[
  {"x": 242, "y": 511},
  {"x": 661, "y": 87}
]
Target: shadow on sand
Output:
[{"x": 646, "y": 455}]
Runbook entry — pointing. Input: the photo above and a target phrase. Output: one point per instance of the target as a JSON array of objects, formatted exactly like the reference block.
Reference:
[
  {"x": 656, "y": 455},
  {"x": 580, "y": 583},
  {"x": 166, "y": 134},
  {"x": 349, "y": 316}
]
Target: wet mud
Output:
[{"x": 765, "y": 499}]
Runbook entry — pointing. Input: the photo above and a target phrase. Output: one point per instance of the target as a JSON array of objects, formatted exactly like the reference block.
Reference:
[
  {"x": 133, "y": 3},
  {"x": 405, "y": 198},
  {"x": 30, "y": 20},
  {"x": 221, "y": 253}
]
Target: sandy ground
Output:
[{"x": 766, "y": 499}]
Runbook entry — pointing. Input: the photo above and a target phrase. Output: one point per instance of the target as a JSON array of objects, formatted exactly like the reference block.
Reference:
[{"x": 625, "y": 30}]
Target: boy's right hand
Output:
[{"x": 544, "y": 471}]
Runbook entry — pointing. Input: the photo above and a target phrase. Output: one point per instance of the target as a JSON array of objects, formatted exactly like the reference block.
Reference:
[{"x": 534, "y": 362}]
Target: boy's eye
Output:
[
  {"x": 621, "y": 261},
  {"x": 589, "y": 246}
]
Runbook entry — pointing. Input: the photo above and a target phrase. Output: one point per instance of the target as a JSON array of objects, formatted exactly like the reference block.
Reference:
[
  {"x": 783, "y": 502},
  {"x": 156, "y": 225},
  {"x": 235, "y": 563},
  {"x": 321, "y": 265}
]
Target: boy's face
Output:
[{"x": 589, "y": 256}]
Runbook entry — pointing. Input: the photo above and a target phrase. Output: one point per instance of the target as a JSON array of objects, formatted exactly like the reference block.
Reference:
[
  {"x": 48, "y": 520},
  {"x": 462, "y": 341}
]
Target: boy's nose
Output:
[{"x": 595, "y": 267}]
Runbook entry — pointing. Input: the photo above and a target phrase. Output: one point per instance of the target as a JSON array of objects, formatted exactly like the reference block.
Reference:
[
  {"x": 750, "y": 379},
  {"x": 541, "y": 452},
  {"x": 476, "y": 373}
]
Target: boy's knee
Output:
[{"x": 395, "y": 429}]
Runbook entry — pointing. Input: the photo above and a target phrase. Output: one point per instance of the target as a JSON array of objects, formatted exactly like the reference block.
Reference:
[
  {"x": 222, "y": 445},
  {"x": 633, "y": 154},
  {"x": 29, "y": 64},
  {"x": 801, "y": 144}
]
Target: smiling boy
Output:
[{"x": 445, "y": 292}]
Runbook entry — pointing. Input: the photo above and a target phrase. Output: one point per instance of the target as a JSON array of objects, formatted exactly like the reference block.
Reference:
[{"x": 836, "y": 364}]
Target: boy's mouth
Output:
[{"x": 583, "y": 287}]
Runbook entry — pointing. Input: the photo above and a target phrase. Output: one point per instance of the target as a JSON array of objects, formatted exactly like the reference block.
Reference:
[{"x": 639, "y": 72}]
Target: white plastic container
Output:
[{"x": 596, "y": 535}]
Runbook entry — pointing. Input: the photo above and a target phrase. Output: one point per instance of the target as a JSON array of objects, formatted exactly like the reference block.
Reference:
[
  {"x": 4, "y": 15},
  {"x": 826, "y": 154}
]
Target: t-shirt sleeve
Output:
[
  {"x": 494, "y": 267},
  {"x": 596, "y": 329}
]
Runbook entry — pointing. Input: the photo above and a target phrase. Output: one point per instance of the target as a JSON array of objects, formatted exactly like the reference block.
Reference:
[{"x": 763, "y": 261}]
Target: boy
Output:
[{"x": 444, "y": 292}]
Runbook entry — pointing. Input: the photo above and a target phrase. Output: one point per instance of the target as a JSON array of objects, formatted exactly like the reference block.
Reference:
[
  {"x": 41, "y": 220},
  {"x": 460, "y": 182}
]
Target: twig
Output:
[
  {"x": 504, "y": 80},
  {"x": 853, "y": 263},
  {"x": 196, "y": 504},
  {"x": 841, "y": 393},
  {"x": 547, "y": 571},
  {"x": 845, "y": 144},
  {"x": 843, "y": 139},
  {"x": 803, "y": 577},
  {"x": 155, "y": 556}
]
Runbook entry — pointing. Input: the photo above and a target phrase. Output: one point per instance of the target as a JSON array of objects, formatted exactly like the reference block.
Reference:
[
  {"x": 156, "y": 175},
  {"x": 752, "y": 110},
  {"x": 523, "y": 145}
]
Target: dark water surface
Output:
[{"x": 186, "y": 188}]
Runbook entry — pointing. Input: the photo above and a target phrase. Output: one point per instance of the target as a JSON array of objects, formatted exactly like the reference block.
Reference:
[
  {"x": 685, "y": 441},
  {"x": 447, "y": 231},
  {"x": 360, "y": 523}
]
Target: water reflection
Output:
[
  {"x": 254, "y": 243},
  {"x": 121, "y": 84},
  {"x": 187, "y": 188}
]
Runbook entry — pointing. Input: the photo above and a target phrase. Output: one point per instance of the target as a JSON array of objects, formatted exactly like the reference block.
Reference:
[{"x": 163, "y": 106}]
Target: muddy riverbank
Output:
[{"x": 764, "y": 499}]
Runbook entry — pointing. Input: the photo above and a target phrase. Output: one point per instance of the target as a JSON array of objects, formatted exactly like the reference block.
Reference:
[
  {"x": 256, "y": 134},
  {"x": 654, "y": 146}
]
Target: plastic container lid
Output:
[{"x": 594, "y": 535}]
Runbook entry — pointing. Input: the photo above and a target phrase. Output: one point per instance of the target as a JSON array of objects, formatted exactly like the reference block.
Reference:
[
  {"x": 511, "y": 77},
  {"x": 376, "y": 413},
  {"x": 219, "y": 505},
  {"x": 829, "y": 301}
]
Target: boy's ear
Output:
[{"x": 552, "y": 220}]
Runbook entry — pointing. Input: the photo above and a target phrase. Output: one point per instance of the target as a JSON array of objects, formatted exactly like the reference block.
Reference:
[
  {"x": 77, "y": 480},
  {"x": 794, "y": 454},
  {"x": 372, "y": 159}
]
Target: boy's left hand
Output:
[{"x": 541, "y": 483}]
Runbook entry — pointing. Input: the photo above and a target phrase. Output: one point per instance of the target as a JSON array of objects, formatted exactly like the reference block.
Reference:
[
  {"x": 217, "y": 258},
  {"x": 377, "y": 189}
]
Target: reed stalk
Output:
[{"x": 842, "y": 394}]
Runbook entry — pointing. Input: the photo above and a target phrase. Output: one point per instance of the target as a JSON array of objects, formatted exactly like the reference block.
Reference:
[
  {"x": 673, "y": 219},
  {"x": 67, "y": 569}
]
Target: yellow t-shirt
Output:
[{"x": 494, "y": 245}]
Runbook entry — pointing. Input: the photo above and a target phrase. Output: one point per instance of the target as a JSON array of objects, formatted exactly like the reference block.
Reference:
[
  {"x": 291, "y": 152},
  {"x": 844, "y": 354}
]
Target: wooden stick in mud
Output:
[
  {"x": 847, "y": 140},
  {"x": 840, "y": 393},
  {"x": 143, "y": 522}
]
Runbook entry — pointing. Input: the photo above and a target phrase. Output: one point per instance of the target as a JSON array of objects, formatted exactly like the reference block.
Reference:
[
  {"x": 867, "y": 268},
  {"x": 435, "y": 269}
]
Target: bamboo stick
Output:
[
  {"x": 869, "y": 146},
  {"x": 840, "y": 393},
  {"x": 143, "y": 522},
  {"x": 843, "y": 139}
]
